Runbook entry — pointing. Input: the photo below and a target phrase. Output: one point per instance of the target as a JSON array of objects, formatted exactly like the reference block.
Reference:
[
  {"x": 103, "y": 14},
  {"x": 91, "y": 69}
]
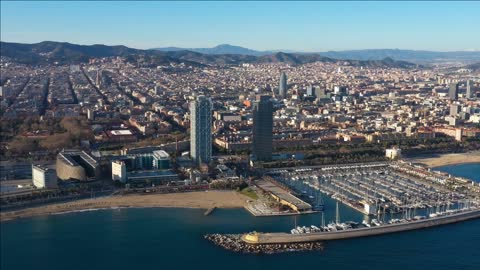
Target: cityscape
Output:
[{"x": 215, "y": 149}]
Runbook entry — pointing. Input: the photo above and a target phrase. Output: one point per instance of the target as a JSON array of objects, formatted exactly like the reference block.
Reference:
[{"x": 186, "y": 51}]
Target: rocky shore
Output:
[{"x": 234, "y": 243}]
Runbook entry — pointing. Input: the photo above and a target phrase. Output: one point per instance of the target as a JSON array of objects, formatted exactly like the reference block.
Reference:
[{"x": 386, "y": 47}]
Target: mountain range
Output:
[
  {"x": 65, "y": 53},
  {"x": 415, "y": 56}
]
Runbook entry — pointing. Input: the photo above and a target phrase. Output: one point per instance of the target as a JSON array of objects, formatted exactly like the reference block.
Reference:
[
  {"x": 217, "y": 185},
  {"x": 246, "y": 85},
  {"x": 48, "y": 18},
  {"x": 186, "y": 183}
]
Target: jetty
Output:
[
  {"x": 234, "y": 243},
  {"x": 209, "y": 211},
  {"x": 270, "y": 243},
  {"x": 281, "y": 238}
]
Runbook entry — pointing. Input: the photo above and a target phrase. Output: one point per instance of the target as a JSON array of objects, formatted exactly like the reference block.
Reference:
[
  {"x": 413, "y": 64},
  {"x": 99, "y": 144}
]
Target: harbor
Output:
[
  {"x": 392, "y": 196},
  {"x": 376, "y": 188}
]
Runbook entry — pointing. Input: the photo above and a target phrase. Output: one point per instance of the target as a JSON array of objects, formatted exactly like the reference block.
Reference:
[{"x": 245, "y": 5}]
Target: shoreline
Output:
[
  {"x": 192, "y": 200},
  {"x": 439, "y": 160}
]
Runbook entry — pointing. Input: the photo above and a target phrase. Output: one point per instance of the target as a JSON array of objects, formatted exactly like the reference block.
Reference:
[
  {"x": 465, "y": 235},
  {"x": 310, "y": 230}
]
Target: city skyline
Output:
[{"x": 307, "y": 27}]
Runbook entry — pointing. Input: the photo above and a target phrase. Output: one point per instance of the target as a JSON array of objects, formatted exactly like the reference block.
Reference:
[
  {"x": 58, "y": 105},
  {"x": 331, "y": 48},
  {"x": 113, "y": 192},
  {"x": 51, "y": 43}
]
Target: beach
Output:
[
  {"x": 198, "y": 199},
  {"x": 447, "y": 159}
]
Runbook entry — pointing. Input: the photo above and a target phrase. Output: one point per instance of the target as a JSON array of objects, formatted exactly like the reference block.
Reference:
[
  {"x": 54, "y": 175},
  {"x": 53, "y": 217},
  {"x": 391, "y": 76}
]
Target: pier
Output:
[
  {"x": 209, "y": 211},
  {"x": 281, "y": 238}
]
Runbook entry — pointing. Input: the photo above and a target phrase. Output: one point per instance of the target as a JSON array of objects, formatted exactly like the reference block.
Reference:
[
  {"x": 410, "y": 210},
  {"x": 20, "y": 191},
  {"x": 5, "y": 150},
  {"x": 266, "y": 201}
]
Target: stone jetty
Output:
[{"x": 234, "y": 243}]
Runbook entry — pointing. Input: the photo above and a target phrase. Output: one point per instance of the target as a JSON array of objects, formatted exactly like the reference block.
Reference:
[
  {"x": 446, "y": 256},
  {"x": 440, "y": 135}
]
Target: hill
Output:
[{"x": 48, "y": 52}]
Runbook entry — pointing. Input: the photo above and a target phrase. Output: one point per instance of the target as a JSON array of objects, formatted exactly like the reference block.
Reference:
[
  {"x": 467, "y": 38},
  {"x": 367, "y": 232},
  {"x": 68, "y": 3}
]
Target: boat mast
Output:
[
  {"x": 323, "y": 220},
  {"x": 337, "y": 216}
]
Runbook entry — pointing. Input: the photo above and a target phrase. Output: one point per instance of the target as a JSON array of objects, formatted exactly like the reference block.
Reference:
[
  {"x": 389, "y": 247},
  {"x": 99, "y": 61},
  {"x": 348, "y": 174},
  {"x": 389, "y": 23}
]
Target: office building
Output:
[
  {"x": 310, "y": 91},
  {"x": 77, "y": 165},
  {"x": 161, "y": 160},
  {"x": 453, "y": 91},
  {"x": 470, "y": 90},
  {"x": 454, "y": 109},
  {"x": 262, "y": 128},
  {"x": 44, "y": 177},
  {"x": 320, "y": 92},
  {"x": 340, "y": 90},
  {"x": 119, "y": 171},
  {"x": 282, "y": 87},
  {"x": 201, "y": 130}
]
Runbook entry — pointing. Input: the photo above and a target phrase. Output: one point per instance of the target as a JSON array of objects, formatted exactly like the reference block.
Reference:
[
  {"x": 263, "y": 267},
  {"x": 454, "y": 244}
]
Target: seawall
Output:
[{"x": 278, "y": 238}]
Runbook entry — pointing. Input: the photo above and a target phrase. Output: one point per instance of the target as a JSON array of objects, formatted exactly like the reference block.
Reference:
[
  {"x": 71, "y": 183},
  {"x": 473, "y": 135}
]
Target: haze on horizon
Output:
[{"x": 305, "y": 26}]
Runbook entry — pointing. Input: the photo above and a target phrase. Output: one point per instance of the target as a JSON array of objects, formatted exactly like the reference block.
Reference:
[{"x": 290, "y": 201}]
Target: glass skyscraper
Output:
[
  {"x": 262, "y": 128},
  {"x": 201, "y": 130},
  {"x": 469, "y": 89},
  {"x": 282, "y": 86},
  {"x": 453, "y": 91}
]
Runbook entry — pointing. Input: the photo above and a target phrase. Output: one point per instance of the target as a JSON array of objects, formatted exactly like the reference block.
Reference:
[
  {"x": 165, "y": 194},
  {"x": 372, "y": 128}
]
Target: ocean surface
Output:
[
  {"x": 166, "y": 238},
  {"x": 470, "y": 171}
]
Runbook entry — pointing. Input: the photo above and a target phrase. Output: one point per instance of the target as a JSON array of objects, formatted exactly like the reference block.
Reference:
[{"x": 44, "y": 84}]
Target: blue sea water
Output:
[
  {"x": 468, "y": 170},
  {"x": 166, "y": 238}
]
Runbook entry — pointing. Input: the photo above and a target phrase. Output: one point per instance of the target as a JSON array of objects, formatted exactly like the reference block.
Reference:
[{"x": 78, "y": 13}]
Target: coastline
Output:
[
  {"x": 197, "y": 199},
  {"x": 438, "y": 160}
]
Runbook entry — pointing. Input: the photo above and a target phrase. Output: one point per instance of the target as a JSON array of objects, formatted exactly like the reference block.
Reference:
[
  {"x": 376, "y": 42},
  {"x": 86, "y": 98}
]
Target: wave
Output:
[{"x": 88, "y": 210}]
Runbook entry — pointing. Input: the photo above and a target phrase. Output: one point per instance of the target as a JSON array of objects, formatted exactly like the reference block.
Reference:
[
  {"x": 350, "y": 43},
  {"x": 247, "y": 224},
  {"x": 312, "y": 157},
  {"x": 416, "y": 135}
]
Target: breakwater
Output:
[
  {"x": 234, "y": 243},
  {"x": 209, "y": 211},
  {"x": 280, "y": 238}
]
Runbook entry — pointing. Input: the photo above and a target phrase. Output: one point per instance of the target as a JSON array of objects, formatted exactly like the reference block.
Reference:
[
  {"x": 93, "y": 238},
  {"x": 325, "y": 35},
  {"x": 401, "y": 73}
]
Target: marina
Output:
[
  {"x": 377, "y": 188},
  {"x": 393, "y": 197}
]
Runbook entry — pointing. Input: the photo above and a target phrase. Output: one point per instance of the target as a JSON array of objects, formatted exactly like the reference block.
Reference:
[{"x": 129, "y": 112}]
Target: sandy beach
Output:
[
  {"x": 200, "y": 199},
  {"x": 448, "y": 159}
]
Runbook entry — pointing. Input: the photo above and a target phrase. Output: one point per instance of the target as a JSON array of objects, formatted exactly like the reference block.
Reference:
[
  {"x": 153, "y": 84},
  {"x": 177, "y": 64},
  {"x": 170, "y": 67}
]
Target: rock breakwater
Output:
[{"x": 234, "y": 243}]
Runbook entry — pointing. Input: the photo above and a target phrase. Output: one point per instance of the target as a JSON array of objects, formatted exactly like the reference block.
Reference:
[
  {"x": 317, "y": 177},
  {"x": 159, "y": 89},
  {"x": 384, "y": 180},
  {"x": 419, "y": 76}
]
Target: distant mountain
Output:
[
  {"x": 60, "y": 51},
  {"x": 65, "y": 53},
  {"x": 406, "y": 55},
  {"x": 220, "y": 49},
  {"x": 475, "y": 66},
  {"x": 370, "y": 54}
]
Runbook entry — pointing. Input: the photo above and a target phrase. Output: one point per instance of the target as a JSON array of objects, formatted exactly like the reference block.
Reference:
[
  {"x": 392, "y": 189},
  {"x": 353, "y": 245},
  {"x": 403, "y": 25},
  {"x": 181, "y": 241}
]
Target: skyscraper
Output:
[
  {"x": 469, "y": 88},
  {"x": 282, "y": 87},
  {"x": 453, "y": 91},
  {"x": 454, "y": 109},
  {"x": 310, "y": 90},
  {"x": 201, "y": 130},
  {"x": 262, "y": 128}
]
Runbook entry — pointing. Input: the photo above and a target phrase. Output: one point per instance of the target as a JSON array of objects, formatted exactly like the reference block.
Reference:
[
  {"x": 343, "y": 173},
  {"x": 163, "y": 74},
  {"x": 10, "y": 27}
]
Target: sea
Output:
[{"x": 168, "y": 238}]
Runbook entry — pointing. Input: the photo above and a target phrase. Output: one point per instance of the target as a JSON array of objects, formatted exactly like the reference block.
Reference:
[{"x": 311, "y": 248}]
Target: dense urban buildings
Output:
[{"x": 201, "y": 129}]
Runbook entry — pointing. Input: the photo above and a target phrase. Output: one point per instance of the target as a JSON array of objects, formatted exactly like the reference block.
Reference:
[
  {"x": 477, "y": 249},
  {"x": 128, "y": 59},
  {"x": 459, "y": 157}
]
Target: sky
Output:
[{"x": 299, "y": 26}]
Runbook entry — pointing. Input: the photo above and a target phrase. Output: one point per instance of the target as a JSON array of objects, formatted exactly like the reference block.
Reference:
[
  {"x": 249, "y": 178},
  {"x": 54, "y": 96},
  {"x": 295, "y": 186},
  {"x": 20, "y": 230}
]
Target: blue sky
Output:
[{"x": 301, "y": 26}]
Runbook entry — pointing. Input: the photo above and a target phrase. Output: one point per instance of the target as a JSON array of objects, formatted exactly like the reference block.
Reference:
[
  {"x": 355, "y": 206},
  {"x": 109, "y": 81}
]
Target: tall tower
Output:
[
  {"x": 98, "y": 79},
  {"x": 262, "y": 128},
  {"x": 282, "y": 86},
  {"x": 469, "y": 88},
  {"x": 453, "y": 91},
  {"x": 201, "y": 130}
]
